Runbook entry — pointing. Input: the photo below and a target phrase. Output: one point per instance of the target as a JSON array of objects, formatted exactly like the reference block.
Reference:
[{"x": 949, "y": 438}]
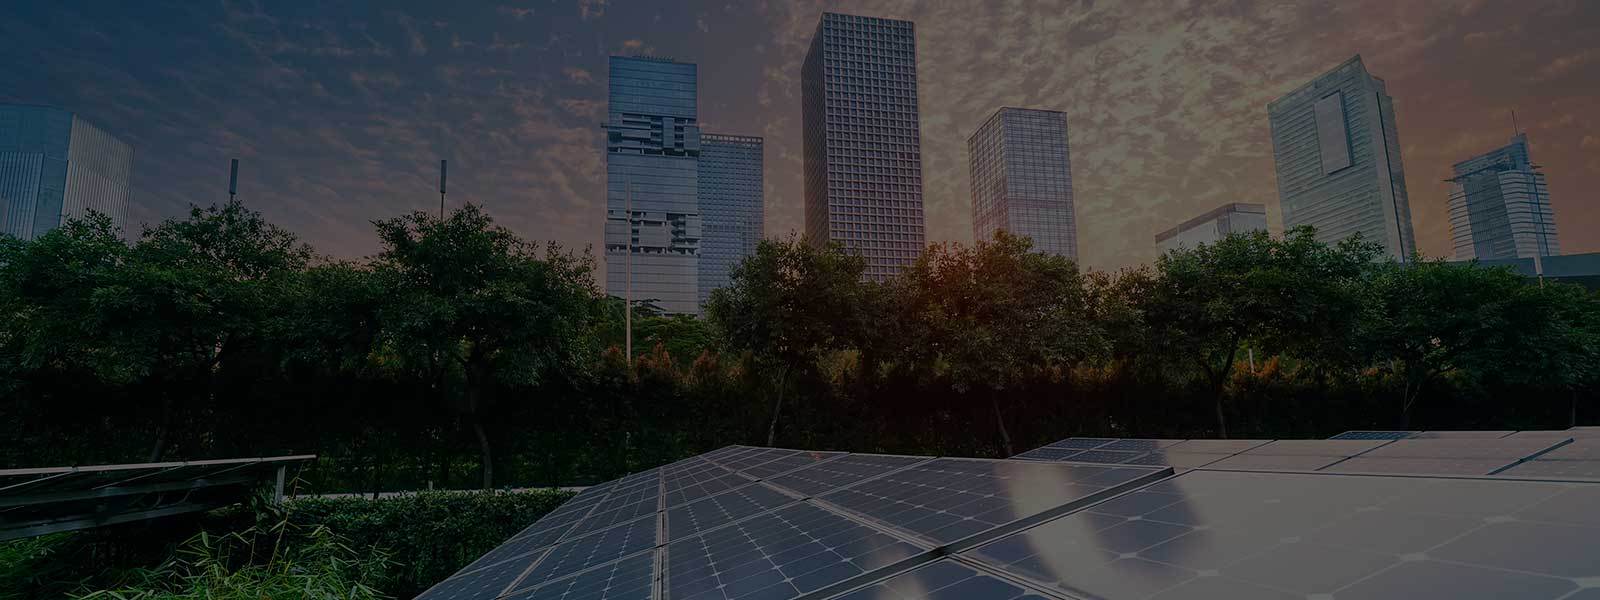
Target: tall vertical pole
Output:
[
  {"x": 444, "y": 169},
  {"x": 233, "y": 179},
  {"x": 627, "y": 269}
]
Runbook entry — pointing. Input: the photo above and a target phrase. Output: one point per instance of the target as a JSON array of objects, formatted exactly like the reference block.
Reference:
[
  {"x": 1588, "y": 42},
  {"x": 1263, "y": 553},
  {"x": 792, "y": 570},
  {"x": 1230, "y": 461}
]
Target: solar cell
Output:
[
  {"x": 487, "y": 582},
  {"x": 1374, "y": 435},
  {"x": 722, "y": 509},
  {"x": 1262, "y": 462},
  {"x": 948, "y": 499},
  {"x": 626, "y": 579},
  {"x": 944, "y": 579},
  {"x": 576, "y": 554},
  {"x": 752, "y": 459},
  {"x": 1176, "y": 459},
  {"x": 693, "y": 482},
  {"x": 547, "y": 534},
  {"x": 1263, "y": 535},
  {"x": 1555, "y": 469},
  {"x": 1340, "y": 448},
  {"x": 793, "y": 550},
  {"x": 623, "y": 505},
  {"x": 788, "y": 463},
  {"x": 849, "y": 470}
]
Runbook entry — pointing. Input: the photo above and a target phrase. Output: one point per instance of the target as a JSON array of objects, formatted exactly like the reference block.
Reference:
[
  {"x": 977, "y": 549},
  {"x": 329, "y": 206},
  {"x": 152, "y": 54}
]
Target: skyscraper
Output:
[
  {"x": 652, "y": 154},
  {"x": 1022, "y": 179},
  {"x": 730, "y": 205},
  {"x": 1338, "y": 160},
  {"x": 863, "y": 148},
  {"x": 1500, "y": 207},
  {"x": 55, "y": 166},
  {"x": 1213, "y": 225}
]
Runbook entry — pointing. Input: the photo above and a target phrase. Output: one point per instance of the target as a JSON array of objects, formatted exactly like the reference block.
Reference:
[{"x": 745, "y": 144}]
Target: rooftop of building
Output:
[{"x": 1211, "y": 215}]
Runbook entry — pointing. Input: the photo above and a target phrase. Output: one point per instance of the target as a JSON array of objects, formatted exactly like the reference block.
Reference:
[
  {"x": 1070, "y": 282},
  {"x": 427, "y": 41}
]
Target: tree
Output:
[
  {"x": 991, "y": 315},
  {"x": 1292, "y": 293},
  {"x": 468, "y": 297},
  {"x": 1431, "y": 318},
  {"x": 788, "y": 305}
]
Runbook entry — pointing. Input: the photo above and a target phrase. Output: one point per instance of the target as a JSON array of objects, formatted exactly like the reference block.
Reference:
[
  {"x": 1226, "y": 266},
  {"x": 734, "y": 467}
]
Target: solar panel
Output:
[
  {"x": 486, "y": 582},
  {"x": 757, "y": 457},
  {"x": 793, "y": 550},
  {"x": 1176, "y": 459},
  {"x": 1374, "y": 435},
  {"x": 850, "y": 470},
  {"x": 1083, "y": 443},
  {"x": 627, "y": 579},
  {"x": 1263, "y": 535},
  {"x": 1296, "y": 455},
  {"x": 1050, "y": 453},
  {"x": 1109, "y": 457},
  {"x": 1461, "y": 435},
  {"x": 1579, "y": 459},
  {"x": 577, "y": 554},
  {"x": 789, "y": 463},
  {"x": 1134, "y": 445},
  {"x": 1216, "y": 446},
  {"x": 722, "y": 509},
  {"x": 548, "y": 532},
  {"x": 693, "y": 482},
  {"x": 940, "y": 580},
  {"x": 628, "y": 501},
  {"x": 948, "y": 499}
]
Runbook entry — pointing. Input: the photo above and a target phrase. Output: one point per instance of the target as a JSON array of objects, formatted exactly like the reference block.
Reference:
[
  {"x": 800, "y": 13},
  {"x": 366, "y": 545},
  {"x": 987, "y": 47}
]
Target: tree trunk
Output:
[
  {"x": 777, "y": 406},
  {"x": 1000, "y": 421},
  {"x": 161, "y": 443},
  {"x": 483, "y": 447}
]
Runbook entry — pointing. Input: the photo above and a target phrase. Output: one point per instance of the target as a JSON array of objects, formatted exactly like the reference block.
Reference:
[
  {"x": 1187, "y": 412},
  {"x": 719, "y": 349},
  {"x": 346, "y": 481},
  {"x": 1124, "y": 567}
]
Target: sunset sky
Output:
[{"x": 340, "y": 113}]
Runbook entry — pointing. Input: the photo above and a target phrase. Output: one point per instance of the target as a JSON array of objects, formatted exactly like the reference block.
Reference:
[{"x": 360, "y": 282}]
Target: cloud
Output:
[
  {"x": 590, "y": 10},
  {"x": 1563, "y": 65},
  {"x": 519, "y": 13},
  {"x": 577, "y": 75}
]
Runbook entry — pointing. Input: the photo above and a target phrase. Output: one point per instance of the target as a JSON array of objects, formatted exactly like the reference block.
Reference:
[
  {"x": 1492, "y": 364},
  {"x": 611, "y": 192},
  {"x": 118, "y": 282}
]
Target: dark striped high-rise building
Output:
[{"x": 863, "y": 146}]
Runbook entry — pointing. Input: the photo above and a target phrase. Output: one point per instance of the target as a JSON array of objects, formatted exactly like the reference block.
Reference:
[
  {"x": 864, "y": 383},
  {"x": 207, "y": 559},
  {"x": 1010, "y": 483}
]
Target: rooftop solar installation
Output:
[
  {"x": 824, "y": 525},
  {"x": 38, "y": 501}
]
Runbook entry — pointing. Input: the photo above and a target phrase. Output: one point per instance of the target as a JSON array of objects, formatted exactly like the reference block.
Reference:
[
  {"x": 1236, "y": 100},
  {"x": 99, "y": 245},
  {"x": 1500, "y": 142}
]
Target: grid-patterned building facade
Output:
[
  {"x": 652, "y": 155},
  {"x": 731, "y": 208},
  {"x": 1337, "y": 153},
  {"x": 1021, "y": 173},
  {"x": 863, "y": 148},
  {"x": 1500, "y": 206},
  {"x": 1214, "y": 225},
  {"x": 55, "y": 166}
]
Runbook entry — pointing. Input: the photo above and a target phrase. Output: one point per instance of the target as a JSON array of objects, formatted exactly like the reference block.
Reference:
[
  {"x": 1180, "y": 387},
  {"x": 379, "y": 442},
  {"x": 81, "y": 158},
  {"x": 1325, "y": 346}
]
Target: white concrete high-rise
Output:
[
  {"x": 1213, "y": 225},
  {"x": 1337, "y": 152},
  {"x": 1500, "y": 206},
  {"x": 862, "y": 141},
  {"x": 55, "y": 166}
]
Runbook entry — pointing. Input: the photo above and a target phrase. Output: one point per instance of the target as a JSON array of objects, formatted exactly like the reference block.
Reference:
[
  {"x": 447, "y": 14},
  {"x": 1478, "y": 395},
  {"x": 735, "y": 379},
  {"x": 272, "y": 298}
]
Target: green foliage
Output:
[
  {"x": 429, "y": 535},
  {"x": 284, "y": 562}
]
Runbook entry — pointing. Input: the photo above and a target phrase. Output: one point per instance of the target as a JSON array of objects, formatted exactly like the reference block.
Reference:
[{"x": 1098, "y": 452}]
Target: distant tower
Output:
[
  {"x": 1500, "y": 206},
  {"x": 55, "y": 166},
  {"x": 730, "y": 205},
  {"x": 652, "y": 154},
  {"x": 1022, "y": 179},
  {"x": 1213, "y": 225},
  {"x": 1338, "y": 160},
  {"x": 863, "y": 146}
]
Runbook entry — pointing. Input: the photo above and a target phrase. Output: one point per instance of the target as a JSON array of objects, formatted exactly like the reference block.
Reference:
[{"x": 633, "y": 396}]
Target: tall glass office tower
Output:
[
  {"x": 863, "y": 146},
  {"x": 652, "y": 154},
  {"x": 55, "y": 166},
  {"x": 1500, "y": 206},
  {"x": 1022, "y": 179},
  {"x": 1338, "y": 160},
  {"x": 730, "y": 205}
]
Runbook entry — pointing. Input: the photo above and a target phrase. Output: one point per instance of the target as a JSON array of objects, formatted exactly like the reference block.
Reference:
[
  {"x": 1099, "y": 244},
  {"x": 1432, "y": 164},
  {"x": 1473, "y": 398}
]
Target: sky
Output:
[{"x": 340, "y": 112}]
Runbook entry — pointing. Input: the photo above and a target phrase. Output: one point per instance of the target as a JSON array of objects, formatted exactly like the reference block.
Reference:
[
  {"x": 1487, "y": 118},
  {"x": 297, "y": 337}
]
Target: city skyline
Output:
[{"x": 346, "y": 113}]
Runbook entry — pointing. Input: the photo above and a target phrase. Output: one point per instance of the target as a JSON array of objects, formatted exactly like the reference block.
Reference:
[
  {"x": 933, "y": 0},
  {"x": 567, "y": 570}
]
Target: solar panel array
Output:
[{"x": 1087, "y": 518}]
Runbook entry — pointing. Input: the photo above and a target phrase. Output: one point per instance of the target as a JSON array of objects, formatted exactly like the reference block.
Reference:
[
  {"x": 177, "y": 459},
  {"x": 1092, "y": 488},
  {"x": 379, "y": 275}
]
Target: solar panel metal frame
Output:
[{"x": 38, "y": 501}]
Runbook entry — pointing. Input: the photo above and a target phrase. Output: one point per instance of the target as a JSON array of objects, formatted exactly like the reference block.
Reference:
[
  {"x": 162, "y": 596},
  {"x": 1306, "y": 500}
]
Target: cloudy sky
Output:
[{"x": 340, "y": 113}]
